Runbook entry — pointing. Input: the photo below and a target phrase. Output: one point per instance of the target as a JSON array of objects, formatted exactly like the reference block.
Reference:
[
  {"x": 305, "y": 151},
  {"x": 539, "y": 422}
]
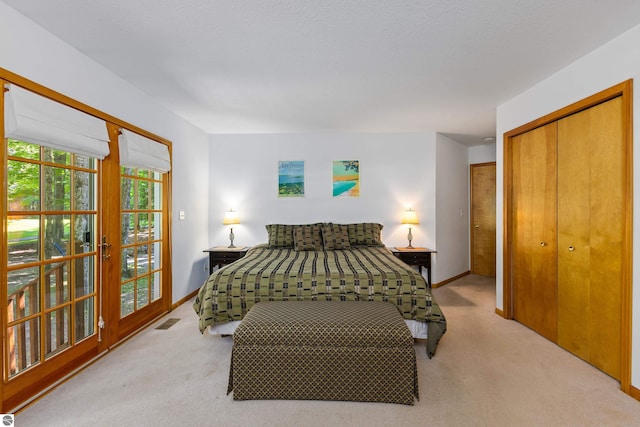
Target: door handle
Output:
[
  {"x": 543, "y": 244},
  {"x": 571, "y": 249},
  {"x": 105, "y": 248},
  {"x": 477, "y": 226}
]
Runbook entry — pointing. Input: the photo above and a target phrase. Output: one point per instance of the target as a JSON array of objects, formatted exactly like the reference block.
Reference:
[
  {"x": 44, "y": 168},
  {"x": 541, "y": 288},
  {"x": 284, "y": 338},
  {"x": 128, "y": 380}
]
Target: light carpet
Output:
[{"x": 487, "y": 372}]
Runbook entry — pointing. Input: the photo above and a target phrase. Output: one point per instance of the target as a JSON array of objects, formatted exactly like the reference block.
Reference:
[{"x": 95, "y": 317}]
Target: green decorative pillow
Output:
[
  {"x": 365, "y": 234},
  {"x": 307, "y": 237},
  {"x": 280, "y": 235},
  {"x": 335, "y": 237}
]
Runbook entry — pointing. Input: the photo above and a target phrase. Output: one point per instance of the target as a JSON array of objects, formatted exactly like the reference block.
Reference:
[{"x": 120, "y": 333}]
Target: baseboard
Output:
[
  {"x": 634, "y": 392},
  {"x": 183, "y": 300},
  {"x": 499, "y": 312},
  {"x": 452, "y": 279}
]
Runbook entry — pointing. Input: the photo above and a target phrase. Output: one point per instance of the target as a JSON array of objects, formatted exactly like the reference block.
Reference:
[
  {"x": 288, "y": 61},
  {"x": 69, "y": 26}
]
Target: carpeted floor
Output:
[{"x": 488, "y": 371}]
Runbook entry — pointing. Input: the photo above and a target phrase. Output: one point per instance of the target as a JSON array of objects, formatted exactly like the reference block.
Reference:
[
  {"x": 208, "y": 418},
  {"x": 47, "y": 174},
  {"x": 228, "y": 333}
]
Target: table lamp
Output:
[
  {"x": 410, "y": 218},
  {"x": 230, "y": 218}
]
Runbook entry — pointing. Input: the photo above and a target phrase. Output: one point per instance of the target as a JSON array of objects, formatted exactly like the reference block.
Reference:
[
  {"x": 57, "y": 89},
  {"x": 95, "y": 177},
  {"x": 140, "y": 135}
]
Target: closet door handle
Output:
[
  {"x": 543, "y": 244},
  {"x": 571, "y": 249}
]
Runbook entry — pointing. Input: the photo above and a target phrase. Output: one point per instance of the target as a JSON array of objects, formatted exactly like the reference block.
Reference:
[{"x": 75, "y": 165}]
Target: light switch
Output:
[{"x": 181, "y": 215}]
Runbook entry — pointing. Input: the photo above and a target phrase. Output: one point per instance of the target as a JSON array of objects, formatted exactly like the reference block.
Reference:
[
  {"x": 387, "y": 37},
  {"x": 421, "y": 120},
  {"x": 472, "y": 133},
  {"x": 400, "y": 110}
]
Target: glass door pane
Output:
[
  {"x": 51, "y": 253},
  {"x": 141, "y": 214}
]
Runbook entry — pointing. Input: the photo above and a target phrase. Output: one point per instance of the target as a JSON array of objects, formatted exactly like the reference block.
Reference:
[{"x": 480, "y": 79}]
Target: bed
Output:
[{"x": 320, "y": 262}]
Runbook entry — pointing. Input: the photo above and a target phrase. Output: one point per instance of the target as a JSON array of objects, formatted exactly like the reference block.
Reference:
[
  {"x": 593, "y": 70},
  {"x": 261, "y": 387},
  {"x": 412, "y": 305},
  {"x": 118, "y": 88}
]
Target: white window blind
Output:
[
  {"x": 33, "y": 118},
  {"x": 137, "y": 151}
]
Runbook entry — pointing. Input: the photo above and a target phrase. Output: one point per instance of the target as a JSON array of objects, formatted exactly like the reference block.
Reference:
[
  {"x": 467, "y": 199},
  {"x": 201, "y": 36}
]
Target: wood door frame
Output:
[
  {"x": 471, "y": 211},
  {"x": 625, "y": 91}
]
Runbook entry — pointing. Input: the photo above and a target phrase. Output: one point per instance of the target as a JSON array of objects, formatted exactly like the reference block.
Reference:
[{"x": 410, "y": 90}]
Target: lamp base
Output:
[
  {"x": 409, "y": 238},
  {"x": 231, "y": 237}
]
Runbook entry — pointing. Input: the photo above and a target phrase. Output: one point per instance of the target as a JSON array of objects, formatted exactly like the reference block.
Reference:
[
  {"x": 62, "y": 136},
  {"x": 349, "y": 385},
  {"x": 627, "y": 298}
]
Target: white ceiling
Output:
[{"x": 279, "y": 66}]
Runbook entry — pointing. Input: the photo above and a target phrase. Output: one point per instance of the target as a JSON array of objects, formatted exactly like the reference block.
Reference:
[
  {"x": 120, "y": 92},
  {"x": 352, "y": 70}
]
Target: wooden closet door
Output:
[
  {"x": 534, "y": 261},
  {"x": 591, "y": 225}
]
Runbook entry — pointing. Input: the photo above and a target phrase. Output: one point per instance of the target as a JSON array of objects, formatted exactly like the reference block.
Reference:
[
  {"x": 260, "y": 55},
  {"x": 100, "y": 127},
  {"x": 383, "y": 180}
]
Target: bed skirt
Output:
[{"x": 418, "y": 329}]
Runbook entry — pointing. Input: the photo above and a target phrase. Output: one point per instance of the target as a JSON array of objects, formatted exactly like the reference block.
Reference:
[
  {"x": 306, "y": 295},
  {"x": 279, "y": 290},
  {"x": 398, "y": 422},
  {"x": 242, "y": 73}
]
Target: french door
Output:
[
  {"x": 135, "y": 245},
  {"x": 84, "y": 259},
  {"x": 52, "y": 292}
]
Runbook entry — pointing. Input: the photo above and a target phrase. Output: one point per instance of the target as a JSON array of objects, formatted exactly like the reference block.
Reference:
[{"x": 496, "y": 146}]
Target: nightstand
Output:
[
  {"x": 222, "y": 255},
  {"x": 416, "y": 256}
]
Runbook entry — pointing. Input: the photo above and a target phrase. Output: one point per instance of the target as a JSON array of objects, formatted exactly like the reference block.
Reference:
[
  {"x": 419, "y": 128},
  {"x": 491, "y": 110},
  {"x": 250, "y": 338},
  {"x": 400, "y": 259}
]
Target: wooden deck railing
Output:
[{"x": 22, "y": 356}]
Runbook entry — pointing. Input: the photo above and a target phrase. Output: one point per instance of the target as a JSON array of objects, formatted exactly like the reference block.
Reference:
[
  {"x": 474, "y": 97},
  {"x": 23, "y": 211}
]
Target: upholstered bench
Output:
[{"x": 322, "y": 350}]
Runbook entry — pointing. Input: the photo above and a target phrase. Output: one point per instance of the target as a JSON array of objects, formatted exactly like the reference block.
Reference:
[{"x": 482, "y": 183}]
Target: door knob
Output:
[
  {"x": 543, "y": 244},
  {"x": 477, "y": 226},
  {"x": 571, "y": 249}
]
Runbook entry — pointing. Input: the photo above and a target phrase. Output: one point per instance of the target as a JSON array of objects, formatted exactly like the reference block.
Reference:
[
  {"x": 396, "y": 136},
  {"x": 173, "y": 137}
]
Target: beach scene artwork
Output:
[
  {"x": 291, "y": 178},
  {"x": 346, "y": 178}
]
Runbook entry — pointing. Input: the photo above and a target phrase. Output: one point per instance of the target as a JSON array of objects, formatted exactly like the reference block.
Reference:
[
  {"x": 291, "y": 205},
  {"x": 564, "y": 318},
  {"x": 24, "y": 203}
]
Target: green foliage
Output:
[
  {"x": 291, "y": 190},
  {"x": 23, "y": 177},
  {"x": 23, "y": 150}
]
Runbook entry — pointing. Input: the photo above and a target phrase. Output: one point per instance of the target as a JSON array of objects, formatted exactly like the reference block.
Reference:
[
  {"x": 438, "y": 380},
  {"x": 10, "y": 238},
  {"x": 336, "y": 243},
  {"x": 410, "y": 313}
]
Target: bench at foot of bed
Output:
[{"x": 304, "y": 350}]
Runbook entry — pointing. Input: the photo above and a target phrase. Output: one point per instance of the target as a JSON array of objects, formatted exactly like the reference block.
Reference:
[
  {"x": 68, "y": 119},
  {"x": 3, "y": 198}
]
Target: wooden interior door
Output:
[
  {"x": 483, "y": 219},
  {"x": 591, "y": 234},
  {"x": 534, "y": 249}
]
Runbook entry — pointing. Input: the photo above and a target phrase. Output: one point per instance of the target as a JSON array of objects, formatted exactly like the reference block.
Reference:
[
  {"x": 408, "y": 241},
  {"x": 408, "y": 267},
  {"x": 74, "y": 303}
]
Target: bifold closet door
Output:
[
  {"x": 534, "y": 261},
  {"x": 591, "y": 233}
]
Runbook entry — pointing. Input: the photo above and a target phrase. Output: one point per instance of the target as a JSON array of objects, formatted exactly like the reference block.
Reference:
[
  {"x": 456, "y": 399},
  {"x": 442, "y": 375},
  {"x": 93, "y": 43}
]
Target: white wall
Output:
[
  {"x": 397, "y": 171},
  {"x": 607, "y": 66},
  {"x": 452, "y": 209},
  {"x": 484, "y": 153},
  {"x": 28, "y": 50}
]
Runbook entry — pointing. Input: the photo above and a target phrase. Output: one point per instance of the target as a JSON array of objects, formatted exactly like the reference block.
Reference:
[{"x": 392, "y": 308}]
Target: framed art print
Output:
[
  {"x": 291, "y": 178},
  {"x": 346, "y": 178}
]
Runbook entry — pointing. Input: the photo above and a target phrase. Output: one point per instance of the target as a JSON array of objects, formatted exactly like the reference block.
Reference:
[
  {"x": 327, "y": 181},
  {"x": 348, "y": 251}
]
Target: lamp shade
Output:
[
  {"x": 231, "y": 217},
  {"x": 410, "y": 217}
]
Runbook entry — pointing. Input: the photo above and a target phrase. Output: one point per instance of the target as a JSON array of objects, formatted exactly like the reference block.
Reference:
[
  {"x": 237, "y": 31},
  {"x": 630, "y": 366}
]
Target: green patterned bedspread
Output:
[{"x": 362, "y": 273}]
